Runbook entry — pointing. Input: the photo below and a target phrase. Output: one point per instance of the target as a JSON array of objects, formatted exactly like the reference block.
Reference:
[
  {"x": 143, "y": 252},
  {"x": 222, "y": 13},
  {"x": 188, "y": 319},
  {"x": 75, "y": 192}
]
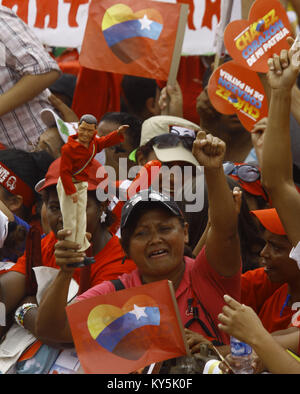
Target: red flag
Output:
[
  {"x": 134, "y": 38},
  {"x": 127, "y": 330}
]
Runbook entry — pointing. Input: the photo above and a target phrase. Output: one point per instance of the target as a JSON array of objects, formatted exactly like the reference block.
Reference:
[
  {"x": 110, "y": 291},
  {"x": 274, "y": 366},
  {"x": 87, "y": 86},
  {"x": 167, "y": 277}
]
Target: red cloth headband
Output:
[{"x": 12, "y": 183}]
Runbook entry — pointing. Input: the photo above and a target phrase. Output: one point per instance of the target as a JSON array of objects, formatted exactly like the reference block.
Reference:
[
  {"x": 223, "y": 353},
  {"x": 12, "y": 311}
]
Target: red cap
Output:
[
  {"x": 95, "y": 175},
  {"x": 270, "y": 220},
  {"x": 254, "y": 188}
]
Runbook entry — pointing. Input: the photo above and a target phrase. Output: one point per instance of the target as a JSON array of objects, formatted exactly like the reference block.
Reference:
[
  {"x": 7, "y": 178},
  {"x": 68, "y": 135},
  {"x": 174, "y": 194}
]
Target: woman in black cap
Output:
[{"x": 153, "y": 234}]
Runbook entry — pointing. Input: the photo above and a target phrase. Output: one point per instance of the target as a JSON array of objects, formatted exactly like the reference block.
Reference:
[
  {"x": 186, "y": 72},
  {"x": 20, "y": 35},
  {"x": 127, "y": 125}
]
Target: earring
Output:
[{"x": 103, "y": 217}]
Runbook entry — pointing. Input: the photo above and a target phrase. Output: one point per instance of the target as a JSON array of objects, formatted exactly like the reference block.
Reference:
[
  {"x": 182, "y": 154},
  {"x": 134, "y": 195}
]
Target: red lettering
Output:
[
  {"x": 191, "y": 12},
  {"x": 211, "y": 9},
  {"x": 44, "y": 8},
  {"x": 22, "y": 11},
  {"x": 75, "y": 4}
]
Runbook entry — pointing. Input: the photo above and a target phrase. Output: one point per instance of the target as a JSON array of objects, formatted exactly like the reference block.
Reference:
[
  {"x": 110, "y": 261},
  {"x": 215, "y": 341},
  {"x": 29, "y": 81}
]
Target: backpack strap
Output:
[{"x": 118, "y": 284}]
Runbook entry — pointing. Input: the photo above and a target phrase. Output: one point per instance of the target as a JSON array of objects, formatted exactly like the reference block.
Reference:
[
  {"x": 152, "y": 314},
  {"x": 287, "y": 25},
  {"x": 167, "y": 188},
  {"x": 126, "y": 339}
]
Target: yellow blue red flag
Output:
[
  {"x": 124, "y": 331},
  {"x": 130, "y": 37}
]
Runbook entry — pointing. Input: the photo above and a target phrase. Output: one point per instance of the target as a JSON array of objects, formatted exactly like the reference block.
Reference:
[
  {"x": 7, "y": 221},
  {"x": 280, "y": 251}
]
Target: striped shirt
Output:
[{"x": 21, "y": 53}]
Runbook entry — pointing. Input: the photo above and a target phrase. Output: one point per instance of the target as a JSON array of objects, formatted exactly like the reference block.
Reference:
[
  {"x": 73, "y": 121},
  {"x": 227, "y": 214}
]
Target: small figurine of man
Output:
[{"x": 76, "y": 157}]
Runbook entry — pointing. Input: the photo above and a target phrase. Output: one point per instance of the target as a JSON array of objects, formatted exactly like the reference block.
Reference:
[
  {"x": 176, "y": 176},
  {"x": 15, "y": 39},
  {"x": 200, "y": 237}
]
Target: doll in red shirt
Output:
[{"x": 76, "y": 157}]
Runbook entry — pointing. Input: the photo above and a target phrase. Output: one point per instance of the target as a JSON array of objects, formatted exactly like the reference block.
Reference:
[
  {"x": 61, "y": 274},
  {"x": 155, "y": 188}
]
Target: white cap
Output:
[{"x": 65, "y": 129}]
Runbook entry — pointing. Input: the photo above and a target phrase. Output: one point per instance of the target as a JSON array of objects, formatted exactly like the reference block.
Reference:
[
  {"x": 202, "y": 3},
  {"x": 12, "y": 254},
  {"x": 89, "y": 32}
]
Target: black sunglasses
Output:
[{"x": 171, "y": 140}]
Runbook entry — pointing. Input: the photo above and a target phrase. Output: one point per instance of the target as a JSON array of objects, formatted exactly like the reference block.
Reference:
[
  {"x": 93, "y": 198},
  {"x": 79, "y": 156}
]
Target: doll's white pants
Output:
[{"x": 74, "y": 214}]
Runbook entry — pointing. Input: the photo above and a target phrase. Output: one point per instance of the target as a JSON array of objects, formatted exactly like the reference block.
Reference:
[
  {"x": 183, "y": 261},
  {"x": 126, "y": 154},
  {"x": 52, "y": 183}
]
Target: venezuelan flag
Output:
[{"x": 126, "y": 32}]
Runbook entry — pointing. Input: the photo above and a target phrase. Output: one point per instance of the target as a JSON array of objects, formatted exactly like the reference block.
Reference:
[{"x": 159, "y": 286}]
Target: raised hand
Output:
[
  {"x": 170, "y": 100},
  {"x": 122, "y": 129},
  {"x": 257, "y": 137},
  {"x": 67, "y": 114},
  {"x": 209, "y": 150},
  {"x": 240, "y": 321},
  {"x": 284, "y": 68}
]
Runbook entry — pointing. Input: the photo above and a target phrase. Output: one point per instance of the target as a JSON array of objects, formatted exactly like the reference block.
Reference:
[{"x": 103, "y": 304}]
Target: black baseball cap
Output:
[{"x": 143, "y": 198}]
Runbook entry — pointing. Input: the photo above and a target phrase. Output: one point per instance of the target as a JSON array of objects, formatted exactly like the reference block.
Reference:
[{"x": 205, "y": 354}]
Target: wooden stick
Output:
[{"x": 184, "y": 8}]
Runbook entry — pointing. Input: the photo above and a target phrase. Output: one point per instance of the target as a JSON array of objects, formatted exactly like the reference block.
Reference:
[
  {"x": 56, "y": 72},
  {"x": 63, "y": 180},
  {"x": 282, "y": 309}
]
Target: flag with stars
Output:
[
  {"x": 124, "y": 331},
  {"x": 130, "y": 37}
]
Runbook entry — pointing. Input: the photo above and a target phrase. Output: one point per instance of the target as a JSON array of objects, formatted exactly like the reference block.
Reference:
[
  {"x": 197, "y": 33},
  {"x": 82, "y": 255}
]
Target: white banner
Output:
[{"x": 61, "y": 23}]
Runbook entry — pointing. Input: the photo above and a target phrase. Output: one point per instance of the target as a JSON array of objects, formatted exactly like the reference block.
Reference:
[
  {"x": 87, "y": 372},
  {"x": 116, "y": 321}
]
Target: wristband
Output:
[{"x": 21, "y": 311}]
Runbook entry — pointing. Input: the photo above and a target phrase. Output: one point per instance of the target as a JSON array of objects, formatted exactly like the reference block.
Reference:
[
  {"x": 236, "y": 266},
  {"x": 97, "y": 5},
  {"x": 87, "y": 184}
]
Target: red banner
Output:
[
  {"x": 127, "y": 330},
  {"x": 135, "y": 38}
]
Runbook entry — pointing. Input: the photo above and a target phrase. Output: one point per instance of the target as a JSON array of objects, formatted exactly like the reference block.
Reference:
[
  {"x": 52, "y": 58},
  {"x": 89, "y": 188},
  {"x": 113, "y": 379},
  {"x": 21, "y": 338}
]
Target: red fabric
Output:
[
  {"x": 190, "y": 75},
  {"x": 15, "y": 185},
  {"x": 267, "y": 299},
  {"x": 206, "y": 283},
  {"x": 30, "y": 351},
  {"x": 96, "y": 92},
  {"x": 36, "y": 222},
  {"x": 70, "y": 67},
  {"x": 33, "y": 258},
  {"x": 74, "y": 156},
  {"x": 128, "y": 339},
  {"x": 105, "y": 88},
  {"x": 141, "y": 55},
  {"x": 67, "y": 56},
  {"x": 68, "y": 62},
  {"x": 108, "y": 263}
]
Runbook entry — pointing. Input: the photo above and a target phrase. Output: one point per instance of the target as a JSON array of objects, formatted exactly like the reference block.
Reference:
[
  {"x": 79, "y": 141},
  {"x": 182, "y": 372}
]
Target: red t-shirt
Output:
[
  {"x": 199, "y": 278},
  {"x": 267, "y": 299},
  {"x": 76, "y": 158},
  {"x": 108, "y": 263}
]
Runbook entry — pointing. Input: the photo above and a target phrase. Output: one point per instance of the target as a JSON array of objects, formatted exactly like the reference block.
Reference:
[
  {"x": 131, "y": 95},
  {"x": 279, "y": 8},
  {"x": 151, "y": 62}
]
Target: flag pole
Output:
[
  {"x": 226, "y": 11},
  {"x": 184, "y": 9}
]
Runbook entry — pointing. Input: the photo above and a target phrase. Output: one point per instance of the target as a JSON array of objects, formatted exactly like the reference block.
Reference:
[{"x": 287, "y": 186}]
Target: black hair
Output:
[
  {"x": 110, "y": 216},
  {"x": 133, "y": 133},
  {"x": 65, "y": 85},
  {"x": 16, "y": 237},
  {"x": 31, "y": 167},
  {"x": 209, "y": 71},
  {"x": 136, "y": 91}
]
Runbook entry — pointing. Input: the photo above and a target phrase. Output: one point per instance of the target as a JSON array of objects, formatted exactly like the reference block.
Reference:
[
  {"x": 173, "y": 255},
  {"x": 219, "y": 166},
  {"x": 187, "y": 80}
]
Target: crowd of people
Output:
[{"x": 223, "y": 228}]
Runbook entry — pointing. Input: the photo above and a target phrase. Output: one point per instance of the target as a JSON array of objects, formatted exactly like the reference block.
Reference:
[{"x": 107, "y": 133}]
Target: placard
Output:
[
  {"x": 232, "y": 89},
  {"x": 252, "y": 42}
]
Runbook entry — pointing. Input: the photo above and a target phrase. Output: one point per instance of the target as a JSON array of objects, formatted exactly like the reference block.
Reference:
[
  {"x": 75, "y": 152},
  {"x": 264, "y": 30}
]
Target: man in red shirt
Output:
[{"x": 76, "y": 157}]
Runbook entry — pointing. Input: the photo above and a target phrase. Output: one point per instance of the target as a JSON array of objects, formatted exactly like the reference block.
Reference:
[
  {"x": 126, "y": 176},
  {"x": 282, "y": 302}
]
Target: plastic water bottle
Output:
[{"x": 241, "y": 354}]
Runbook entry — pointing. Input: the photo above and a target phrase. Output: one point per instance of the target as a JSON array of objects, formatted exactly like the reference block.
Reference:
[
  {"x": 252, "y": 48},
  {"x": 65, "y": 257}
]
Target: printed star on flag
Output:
[
  {"x": 145, "y": 22},
  {"x": 138, "y": 312}
]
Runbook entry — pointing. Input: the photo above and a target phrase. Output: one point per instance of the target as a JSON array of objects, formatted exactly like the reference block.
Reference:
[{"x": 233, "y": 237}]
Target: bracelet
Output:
[{"x": 21, "y": 311}]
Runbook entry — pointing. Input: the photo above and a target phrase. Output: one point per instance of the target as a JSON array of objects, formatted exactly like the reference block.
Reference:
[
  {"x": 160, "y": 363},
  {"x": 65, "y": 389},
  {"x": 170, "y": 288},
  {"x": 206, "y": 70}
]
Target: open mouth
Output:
[
  {"x": 158, "y": 253},
  {"x": 268, "y": 269}
]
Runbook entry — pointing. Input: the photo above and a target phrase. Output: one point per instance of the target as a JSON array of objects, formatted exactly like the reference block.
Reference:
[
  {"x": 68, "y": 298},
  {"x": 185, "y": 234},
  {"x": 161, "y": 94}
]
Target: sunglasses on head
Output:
[
  {"x": 171, "y": 140},
  {"x": 245, "y": 172}
]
